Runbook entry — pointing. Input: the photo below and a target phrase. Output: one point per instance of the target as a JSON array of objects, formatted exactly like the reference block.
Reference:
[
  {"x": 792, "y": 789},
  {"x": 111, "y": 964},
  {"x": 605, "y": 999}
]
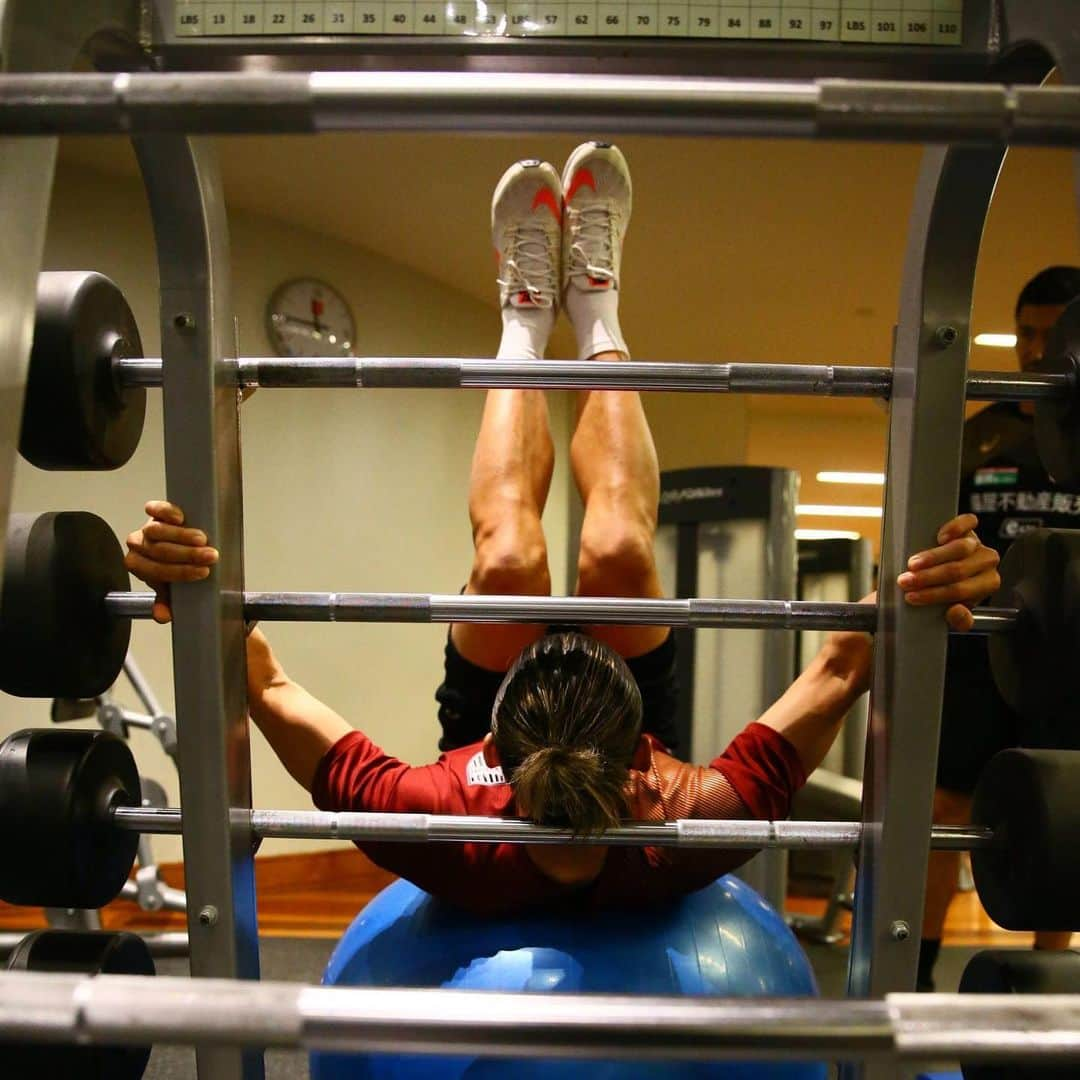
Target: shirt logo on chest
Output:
[
  {"x": 478, "y": 773},
  {"x": 998, "y": 476}
]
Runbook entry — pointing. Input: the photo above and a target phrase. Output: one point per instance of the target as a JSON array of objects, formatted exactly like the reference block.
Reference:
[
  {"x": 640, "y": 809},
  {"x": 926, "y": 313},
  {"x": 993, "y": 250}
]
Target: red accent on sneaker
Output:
[
  {"x": 600, "y": 283},
  {"x": 582, "y": 178},
  {"x": 524, "y": 298},
  {"x": 546, "y": 197}
]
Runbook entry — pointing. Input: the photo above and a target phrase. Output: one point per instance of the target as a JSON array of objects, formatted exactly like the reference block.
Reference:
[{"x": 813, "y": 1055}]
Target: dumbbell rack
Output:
[{"x": 1003, "y": 42}]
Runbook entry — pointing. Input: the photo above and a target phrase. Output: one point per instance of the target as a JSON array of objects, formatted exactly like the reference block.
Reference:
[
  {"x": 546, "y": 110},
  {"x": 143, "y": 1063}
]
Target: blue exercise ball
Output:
[{"x": 724, "y": 940}]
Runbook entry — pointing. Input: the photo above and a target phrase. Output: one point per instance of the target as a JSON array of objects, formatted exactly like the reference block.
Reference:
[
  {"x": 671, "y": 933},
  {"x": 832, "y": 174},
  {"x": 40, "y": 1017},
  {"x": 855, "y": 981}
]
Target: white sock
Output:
[
  {"x": 594, "y": 314},
  {"x": 525, "y": 333}
]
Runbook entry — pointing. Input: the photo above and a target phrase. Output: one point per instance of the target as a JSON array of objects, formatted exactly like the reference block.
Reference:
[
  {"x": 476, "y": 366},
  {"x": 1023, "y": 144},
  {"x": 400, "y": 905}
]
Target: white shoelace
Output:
[
  {"x": 592, "y": 248},
  {"x": 530, "y": 264}
]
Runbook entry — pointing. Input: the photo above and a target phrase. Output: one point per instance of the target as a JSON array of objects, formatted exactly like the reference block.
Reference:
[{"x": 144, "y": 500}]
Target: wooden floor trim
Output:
[{"x": 318, "y": 894}]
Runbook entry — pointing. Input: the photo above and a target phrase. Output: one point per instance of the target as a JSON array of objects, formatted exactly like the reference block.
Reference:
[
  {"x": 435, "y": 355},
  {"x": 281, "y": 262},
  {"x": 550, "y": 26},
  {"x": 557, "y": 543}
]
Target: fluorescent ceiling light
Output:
[
  {"x": 996, "y": 341},
  {"x": 852, "y": 477},
  {"x": 825, "y": 534},
  {"x": 822, "y": 510}
]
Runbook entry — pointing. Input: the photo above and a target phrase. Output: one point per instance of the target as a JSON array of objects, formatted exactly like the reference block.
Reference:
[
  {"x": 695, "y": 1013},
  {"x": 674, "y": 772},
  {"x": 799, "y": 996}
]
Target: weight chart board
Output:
[{"x": 886, "y": 22}]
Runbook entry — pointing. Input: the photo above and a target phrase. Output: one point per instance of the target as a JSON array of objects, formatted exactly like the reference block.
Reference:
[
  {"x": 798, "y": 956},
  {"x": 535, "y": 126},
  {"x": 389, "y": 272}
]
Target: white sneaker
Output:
[
  {"x": 597, "y": 198},
  {"x": 526, "y": 228}
]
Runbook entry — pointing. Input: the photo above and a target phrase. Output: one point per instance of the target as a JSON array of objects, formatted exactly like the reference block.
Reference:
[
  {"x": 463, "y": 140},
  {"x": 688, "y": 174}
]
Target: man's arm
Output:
[
  {"x": 299, "y": 728},
  {"x": 957, "y": 573},
  {"x": 809, "y": 713}
]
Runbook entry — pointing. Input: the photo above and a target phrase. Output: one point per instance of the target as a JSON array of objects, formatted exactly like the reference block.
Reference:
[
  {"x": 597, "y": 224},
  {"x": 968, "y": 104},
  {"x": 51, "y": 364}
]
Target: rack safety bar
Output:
[
  {"x": 126, "y": 1009},
  {"x": 290, "y": 102},
  {"x": 572, "y": 610},
  {"x": 425, "y": 372},
  {"x": 423, "y": 828}
]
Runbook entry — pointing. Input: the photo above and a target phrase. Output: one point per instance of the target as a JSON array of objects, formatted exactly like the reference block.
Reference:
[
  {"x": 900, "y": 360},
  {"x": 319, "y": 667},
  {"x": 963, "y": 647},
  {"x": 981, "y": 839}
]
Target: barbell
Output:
[
  {"x": 70, "y": 803},
  {"x": 1040, "y": 1028},
  {"x": 86, "y": 386},
  {"x": 66, "y": 608}
]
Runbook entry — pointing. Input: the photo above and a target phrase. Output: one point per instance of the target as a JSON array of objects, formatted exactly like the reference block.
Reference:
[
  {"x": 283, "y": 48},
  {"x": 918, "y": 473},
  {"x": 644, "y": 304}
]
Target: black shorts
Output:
[
  {"x": 976, "y": 723},
  {"x": 467, "y": 695}
]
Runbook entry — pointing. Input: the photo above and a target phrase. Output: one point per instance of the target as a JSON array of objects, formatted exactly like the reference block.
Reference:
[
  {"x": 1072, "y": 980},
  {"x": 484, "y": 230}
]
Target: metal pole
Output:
[
  {"x": 573, "y": 610},
  {"x": 286, "y": 102},
  {"x": 925, "y": 434},
  {"x": 778, "y": 657},
  {"x": 142, "y": 688},
  {"x": 435, "y": 828},
  {"x": 202, "y": 464},
  {"x": 426, "y": 373},
  {"x": 111, "y": 1009}
]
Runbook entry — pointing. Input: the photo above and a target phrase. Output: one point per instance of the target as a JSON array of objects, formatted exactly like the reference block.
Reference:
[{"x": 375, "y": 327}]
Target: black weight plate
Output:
[
  {"x": 55, "y": 789},
  {"x": 1013, "y": 971},
  {"x": 79, "y": 952},
  {"x": 1057, "y": 422},
  {"x": 82, "y": 952},
  {"x": 56, "y": 638},
  {"x": 1035, "y": 663},
  {"x": 1028, "y": 878},
  {"x": 75, "y": 415}
]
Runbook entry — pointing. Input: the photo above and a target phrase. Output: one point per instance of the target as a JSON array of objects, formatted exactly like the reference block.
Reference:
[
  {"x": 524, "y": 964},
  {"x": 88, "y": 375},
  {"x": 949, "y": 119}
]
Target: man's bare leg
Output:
[
  {"x": 614, "y": 463},
  {"x": 612, "y": 453},
  {"x": 511, "y": 474},
  {"x": 512, "y": 464},
  {"x": 950, "y": 808}
]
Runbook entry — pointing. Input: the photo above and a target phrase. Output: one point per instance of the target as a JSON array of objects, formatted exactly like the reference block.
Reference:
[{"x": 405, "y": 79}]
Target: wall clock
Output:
[{"x": 307, "y": 317}]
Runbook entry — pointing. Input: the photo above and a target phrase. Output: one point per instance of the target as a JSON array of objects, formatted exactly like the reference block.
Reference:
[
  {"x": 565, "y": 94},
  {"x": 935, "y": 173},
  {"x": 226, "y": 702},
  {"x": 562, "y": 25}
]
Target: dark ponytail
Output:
[{"x": 566, "y": 723}]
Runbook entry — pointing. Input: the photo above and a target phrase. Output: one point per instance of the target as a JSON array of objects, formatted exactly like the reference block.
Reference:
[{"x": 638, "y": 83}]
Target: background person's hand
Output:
[
  {"x": 163, "y": 551},
  {"x": 960, "y": 572}
]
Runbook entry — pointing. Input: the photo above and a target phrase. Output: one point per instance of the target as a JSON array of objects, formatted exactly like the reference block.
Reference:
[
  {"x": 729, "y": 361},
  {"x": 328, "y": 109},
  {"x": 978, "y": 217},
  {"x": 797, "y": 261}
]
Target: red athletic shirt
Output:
[{"x": 754, "y": 778}]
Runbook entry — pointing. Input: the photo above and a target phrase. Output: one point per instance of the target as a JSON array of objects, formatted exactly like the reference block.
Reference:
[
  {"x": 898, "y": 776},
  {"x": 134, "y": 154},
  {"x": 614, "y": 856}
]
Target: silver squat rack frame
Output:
[{"x": 1018, "y": 41}]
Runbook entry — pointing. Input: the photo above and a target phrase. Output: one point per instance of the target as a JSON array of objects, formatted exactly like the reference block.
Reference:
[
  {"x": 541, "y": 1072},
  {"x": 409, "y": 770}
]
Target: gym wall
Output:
[{"x": 343, "y": 491}]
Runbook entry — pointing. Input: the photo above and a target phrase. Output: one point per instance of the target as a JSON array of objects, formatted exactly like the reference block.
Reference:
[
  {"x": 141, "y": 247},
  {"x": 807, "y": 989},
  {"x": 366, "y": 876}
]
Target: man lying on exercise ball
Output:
[{"x": 564, "y": 728}]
